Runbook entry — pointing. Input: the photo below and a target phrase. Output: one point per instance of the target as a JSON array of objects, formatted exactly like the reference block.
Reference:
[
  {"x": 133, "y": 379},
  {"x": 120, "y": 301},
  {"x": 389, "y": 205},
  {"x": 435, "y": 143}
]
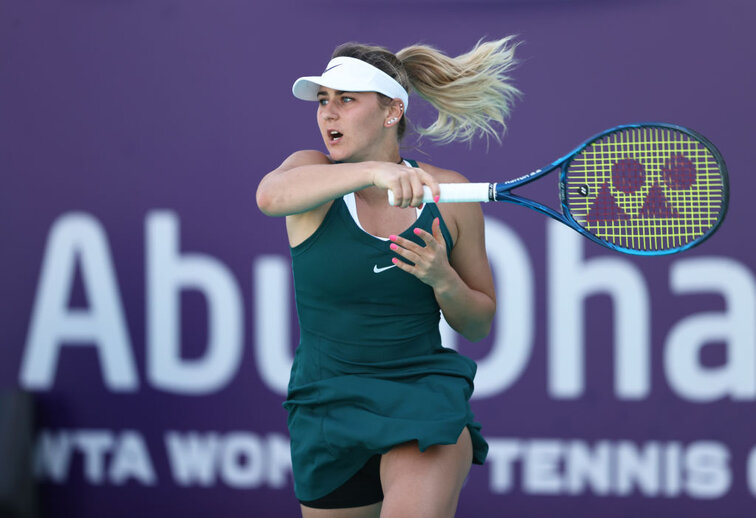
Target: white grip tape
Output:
[{"x": 454, "y": 193}]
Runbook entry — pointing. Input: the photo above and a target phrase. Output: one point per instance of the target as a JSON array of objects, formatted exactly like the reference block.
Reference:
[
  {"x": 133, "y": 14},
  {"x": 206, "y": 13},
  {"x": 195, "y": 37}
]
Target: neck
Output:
[
  {"x": 386, "y": 149},
  {"x": 394, "y": 157}
]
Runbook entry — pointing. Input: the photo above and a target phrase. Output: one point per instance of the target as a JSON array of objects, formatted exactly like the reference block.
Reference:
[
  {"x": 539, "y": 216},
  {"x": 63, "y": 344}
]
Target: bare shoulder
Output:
[
  {"x": 305, "y": 157},
  {"x": 443, "y": 175}
]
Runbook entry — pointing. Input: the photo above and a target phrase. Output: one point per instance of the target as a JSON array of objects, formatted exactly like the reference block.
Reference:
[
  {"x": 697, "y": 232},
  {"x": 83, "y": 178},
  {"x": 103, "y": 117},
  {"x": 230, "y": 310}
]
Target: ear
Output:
[{"x": 395, "y": 113}]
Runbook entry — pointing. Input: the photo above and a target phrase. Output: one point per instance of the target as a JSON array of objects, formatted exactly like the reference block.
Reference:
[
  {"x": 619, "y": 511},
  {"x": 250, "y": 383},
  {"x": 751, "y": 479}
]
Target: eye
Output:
[
  {"x": 347, "y": 99},
  {"x": 322, "y": 101}
]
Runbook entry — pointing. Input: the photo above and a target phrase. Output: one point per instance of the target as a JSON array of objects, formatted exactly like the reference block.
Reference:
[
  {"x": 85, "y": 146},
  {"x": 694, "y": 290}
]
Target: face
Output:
[{"x": 352, "y": 125}]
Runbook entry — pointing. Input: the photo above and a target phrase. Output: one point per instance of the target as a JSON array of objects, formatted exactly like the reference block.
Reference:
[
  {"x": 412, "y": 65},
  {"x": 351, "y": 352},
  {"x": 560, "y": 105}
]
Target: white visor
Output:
[{"x": 350, "y": 75}]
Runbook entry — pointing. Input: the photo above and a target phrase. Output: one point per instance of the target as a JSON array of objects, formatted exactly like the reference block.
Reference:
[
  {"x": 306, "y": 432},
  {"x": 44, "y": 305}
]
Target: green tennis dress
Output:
[{"x": 370, "y": 371}]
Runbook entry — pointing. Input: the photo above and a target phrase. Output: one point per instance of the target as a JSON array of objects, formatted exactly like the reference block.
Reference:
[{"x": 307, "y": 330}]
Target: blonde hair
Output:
[{"x": 471, "y": 92}]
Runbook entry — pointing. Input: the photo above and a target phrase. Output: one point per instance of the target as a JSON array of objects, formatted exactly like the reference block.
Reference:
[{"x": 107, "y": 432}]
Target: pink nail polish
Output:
[
  {"x": 417, "y": 231},
  {"x": 394, "y": 260},
  {"x": 392, "y": 237},
  {"x": 394, "y": 246},
  {"x": 436, "y": 198}
]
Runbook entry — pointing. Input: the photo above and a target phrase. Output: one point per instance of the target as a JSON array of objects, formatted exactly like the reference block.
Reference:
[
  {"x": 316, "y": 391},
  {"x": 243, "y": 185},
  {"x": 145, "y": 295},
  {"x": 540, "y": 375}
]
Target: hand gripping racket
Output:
[{"x": 644, "y": 189}]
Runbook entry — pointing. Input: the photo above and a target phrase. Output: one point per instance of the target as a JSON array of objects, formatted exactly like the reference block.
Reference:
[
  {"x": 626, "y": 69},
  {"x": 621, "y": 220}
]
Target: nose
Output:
[{"x": 328, "y": 113}]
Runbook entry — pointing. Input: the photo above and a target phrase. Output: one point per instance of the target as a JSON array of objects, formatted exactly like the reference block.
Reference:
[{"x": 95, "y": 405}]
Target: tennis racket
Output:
[{"x": 643, "y": 189}]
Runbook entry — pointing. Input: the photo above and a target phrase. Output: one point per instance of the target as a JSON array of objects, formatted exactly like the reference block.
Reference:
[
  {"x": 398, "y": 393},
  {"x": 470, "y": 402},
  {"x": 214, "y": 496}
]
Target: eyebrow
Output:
[{"x": 323, "y": 93}]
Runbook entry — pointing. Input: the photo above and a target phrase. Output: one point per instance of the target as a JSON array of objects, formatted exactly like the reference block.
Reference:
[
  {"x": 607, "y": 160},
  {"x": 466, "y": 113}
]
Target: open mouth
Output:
[{"x": 334, "y": 136}]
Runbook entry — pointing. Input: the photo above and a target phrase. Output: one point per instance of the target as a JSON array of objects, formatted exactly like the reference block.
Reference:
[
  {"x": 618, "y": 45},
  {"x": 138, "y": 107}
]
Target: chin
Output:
[{"x": 338, "y": 155}]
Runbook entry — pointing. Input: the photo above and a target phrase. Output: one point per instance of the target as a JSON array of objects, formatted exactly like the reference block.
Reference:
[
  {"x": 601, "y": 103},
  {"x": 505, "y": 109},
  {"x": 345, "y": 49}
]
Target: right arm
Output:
[
  {"x": 305, "y": 181},
  {"x": 303, "y": 186},
  {"x": 308, "y": 179}
]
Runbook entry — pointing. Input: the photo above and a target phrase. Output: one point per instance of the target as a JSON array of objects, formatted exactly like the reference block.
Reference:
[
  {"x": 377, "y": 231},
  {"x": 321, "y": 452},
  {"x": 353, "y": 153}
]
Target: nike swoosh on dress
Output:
[{"x": 379, "y": 270}]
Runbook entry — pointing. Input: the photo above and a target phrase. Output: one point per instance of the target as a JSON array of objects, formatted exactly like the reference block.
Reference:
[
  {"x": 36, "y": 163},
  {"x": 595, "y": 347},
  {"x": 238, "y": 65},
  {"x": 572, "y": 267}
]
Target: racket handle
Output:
[{"x": 455, "y": 193}]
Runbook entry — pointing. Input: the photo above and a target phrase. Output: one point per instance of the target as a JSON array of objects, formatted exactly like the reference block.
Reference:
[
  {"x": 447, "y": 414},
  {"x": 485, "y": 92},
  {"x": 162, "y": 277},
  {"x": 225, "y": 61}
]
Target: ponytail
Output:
[{"x": 471, "y": 92}]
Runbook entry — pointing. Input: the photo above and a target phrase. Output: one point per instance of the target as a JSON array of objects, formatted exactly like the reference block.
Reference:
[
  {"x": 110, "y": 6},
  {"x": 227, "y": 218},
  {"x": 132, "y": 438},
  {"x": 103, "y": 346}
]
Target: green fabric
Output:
[{"x": 370, "y": 371}]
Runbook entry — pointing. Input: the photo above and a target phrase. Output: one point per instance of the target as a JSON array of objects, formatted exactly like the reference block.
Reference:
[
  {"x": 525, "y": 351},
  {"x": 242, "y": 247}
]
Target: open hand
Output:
[{"x": 430, "y": 262}]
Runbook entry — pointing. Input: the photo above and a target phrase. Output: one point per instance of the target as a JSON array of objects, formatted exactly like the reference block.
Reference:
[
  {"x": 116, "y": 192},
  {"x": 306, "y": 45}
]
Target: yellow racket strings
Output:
[{"x": 646, "y": 188}]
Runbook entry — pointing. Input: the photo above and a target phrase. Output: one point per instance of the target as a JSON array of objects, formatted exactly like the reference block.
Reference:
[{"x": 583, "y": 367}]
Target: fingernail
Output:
[
  {"x": 395, "y": 260},
  {"x": 436, "y": 198},
  {"x": 417, "y": 231},
  {"x": 392, "y": 237},
  {"x": 394, "y": 246}
]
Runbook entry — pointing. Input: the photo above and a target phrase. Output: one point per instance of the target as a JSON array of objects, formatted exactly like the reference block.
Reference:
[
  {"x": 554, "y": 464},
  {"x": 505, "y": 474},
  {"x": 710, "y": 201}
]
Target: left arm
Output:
[{"x": 463, "y": 284}]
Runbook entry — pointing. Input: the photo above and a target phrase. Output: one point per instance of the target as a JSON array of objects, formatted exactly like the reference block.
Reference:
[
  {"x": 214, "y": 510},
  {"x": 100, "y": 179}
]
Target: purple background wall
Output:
[{"x": 126, "y": 124}]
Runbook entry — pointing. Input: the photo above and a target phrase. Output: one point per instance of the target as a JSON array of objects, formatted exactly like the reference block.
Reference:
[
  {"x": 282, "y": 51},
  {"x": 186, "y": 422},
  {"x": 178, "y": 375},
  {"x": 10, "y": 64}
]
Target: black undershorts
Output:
[{"x": 364, "y": 488}]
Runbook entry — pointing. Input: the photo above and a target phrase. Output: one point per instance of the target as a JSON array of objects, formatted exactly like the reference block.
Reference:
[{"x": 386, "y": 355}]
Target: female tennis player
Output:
[{"x": 379, "y": 416}]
